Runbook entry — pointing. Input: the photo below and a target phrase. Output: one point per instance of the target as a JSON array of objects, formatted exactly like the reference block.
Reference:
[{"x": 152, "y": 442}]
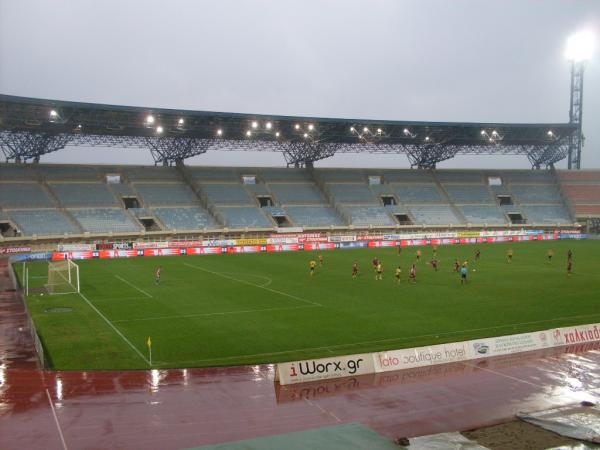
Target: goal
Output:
[{"x": 63, "y": 277}]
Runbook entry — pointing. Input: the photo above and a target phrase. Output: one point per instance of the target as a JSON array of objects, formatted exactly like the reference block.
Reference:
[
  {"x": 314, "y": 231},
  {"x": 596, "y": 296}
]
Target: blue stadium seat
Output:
[
  {"x": 158, "y": 194},
  {"x": 314, "y": 216},
  {"x": 83, "y": 194},
  {"x": 45, "y": 222},
  {"x": 192, "y": 218},
  {"x": 244, "y": 217},
  {"x": 297, "y": 193},
  {"x": 104, "y": 220},
  {"x": 23, "y": 195}
]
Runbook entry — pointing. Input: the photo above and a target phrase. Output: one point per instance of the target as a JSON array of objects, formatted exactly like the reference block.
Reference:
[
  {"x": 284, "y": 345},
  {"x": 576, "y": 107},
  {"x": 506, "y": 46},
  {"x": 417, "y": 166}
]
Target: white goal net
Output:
[{"x": 63, "y": 277}]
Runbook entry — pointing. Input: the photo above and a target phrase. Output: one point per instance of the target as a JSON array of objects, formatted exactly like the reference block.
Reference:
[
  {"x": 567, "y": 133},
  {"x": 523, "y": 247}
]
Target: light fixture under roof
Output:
[
  {"x": 149, "y": 119},
  {"x": 219, "y": 132},
  {"x": 248, "y": 133},
  {"x": 159, "y": 129},
  {"x": 268, "y": 125}
]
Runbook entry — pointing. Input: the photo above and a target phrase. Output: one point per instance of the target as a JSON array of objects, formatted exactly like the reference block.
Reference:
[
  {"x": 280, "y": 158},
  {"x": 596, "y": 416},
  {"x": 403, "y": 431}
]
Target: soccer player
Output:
[
  {"x": 569, "y": 255},
  {"x": 477, "y": 254},
  {"x": 355, "y": 269},
  {"x": 157, "y": 274},
  {"x": 509, "y": 255},
  {"x": 398, "y": 274},
  {"x": 312, "y": 265},
  {"x": 569, "y": 268},
  {"x": 413, "y": 273},
  {"x": 456, "y": 265},
  {"x": 399, "y": 248},
  {"x": 375, "y": 262},
  {"x": 463, "y": 274},
  {"x": 434, "y": 251},
  {"x": 379, "y": 272},
  {"x": 434, "y": 264},
  {"x": 419, "y": 253},
  {"x": 321, "y": 260},
  {"x": 549, "y": 255}
]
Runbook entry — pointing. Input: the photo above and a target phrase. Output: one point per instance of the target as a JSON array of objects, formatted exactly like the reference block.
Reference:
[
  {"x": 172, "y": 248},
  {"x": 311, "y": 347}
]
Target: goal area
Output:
[{"x": 63, "y": 277}]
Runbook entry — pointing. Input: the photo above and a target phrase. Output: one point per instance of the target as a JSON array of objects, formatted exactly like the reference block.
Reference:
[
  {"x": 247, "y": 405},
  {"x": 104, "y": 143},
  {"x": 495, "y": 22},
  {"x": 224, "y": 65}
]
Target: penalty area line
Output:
[
  {"x": 133, "y": 286},
  {"x": 224, "y": 313},
  {"x": 252, "y": 284},
  {"x": 110, "y": 324}
]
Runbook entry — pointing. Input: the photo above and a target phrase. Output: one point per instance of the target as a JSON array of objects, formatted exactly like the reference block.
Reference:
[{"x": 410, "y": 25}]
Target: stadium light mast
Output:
[{"x": 579, "y": 51}]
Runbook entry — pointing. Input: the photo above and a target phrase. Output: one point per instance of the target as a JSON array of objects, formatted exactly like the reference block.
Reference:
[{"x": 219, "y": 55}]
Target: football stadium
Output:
[{"x": 177, "y": 304}]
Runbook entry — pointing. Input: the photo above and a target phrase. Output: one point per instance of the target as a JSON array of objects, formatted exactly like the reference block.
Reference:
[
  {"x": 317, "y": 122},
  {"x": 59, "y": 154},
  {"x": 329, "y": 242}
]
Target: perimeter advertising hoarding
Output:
[
  {"x": 118, "y": 253},
  {"x": 377, "y": 244},
  {"x": 576, "y": 334},
  {"x": 421, "y": 356},
  {"x": 283, "y": 248},
  {"x": 162, "y": 252},
  {"x": 245, "y": 249},
  {"x": 319, "y": 246},
  {"x": 204, "y": 250},
  {"x": 76, "y": 247},
  {"x": 321, "y": 369},
  {"x": 245, "y": 242},
  {"x": 13, "y": 250},
  {"x": 343, "y": 238}
]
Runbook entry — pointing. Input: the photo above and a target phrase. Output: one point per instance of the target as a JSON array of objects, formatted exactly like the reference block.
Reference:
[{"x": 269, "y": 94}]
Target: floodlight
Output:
[
  {"x": 406, "y": 131},
  {"x": 79, "y": 127},
  {"x": 159, "y": 129},
  {"x": 352, "y": 129},
  {"x": 255, "y": 124},
  {"x": 277, "y": 134},
  {"x": 427, "y": 138},
  {"x": 550, "y": 133},
  {"x": 248, "y": 133},
  {"x": 268, "y": 125},
  {"x": 379, "y": 130},
  {"x": 494, "y": 133},
  {"x": 297, "y": 126},
  {"x": 149, "y": 118},
  {"x": 53, "y": 113},
  {"x": 219, "y": 132},
  {"x": 180, "y": 122},
  {"x": 311, "y": 127},
  {"x": 365, "y": 130},
  {"x": 305, "y": 135},
  {"x": 580, "y": 46},
  {"x": 483, "y": 133}
]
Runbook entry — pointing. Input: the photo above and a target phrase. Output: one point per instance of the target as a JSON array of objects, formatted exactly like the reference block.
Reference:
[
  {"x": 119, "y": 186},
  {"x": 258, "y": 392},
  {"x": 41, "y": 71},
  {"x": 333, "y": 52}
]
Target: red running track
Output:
[{"x": 171, "y": 409}]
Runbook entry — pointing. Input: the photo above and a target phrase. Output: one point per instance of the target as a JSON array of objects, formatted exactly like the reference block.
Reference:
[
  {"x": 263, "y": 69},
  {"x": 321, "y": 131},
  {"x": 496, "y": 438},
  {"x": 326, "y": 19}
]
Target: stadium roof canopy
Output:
[{"x": 32, "y": 127}]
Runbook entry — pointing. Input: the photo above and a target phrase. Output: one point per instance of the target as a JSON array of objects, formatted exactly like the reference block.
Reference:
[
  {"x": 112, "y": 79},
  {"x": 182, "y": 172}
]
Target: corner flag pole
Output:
[{"x": 149, "y": 343}]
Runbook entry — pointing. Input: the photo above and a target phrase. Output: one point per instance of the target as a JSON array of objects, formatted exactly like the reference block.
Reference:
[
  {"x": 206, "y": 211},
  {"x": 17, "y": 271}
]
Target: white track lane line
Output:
[
  {"x": 215, "y": 314},
  {"x": 60, "y": 433},
  {"x": 110, "y": 324},
  {"x": 133, "y": 286},
  {"x": 252, "y": 284},
  {"x": 380, "y": 341}
]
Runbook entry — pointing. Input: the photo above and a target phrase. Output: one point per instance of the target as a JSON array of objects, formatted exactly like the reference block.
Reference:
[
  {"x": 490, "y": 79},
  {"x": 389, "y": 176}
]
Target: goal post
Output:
[{"x": 63, "y": 277}]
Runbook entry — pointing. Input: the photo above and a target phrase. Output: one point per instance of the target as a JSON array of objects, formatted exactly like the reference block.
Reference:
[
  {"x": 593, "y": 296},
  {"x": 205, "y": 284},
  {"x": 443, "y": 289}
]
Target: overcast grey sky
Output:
[{"x": 439, "y": 60}]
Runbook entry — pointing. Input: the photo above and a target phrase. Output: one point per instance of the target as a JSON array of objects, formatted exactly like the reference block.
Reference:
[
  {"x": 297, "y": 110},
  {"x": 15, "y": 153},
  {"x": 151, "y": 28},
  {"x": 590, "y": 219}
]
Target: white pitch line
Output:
[
  {"x": 133, "y": 286},
  {"x": 252, "y": 284},
  {"x": 224, "y": 313},
  {"x": 110, "y": 324},
  {"x": 380, "y": 341},
  {"x": 60, "y": 433}
]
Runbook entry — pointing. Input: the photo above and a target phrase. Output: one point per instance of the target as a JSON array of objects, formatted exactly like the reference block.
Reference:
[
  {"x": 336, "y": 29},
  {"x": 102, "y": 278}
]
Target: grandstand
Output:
[{"x": 39, "y": 200}]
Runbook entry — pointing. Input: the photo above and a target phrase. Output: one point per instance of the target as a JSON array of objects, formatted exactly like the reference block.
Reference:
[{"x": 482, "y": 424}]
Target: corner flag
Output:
[{"x": 149, "y": 344}]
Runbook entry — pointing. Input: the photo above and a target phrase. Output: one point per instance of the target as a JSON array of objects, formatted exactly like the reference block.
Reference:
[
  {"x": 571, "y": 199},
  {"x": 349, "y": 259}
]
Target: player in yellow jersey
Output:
[
  {"x": 509, "y": 255},
  {"x": 379, "y": 272},
  {"x": 312, "y": 265},
  {"x": 419, "y": 253},
  {"x": 398, "y": 274},
  {"x": 355, "y": 269},
  {"x": 549, "y": 255}
]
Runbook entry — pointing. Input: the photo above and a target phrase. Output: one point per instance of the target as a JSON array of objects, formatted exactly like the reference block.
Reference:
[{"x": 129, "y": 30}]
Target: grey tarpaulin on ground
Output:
[
  {"x": 577, "y": 422},
  {"x": 444, "y": 441}
]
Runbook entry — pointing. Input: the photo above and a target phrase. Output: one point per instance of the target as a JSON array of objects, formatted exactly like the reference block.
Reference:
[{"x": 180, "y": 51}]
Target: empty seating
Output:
[
  {"x": 68, "y": 173},
  {"x": 580, "y": 176},
  {"x": 468, "y": 193},
  {"x": 314, "y": 216},
  {"x": 104, "y": 220},
  {"x": 407, "y": 176},
  {"x": 351, "y": 193},
  {"x": 527, "y": 176},
  {"x": 587, "y": 210},
  {"x": 460, "y": 176},
  {"x": 546, "y": 214},
  {"x": 244, "y": 217},
  {"x": 582, "y": 193},
  {"x": 226, "y": 194},
  {"x": 536, "y": 193},
  {"x": 83, "y": 194},
  {"x": 16, "y": 172},
  {"x": 369, "y": 215},
  {"x": 23, "y": 195},
  {"x": 298, "y": 193},
  {"x": 185, "y": 218},
  {"x": 417, "y": 193},
  {"x": 151, "y": 173},
  {"x": 166, "y": 194},
  {"x": 483, "y": 214},
  {"x": 281, "y": 174},
  {"x": 201, "y": 174},
  {"x": 122, "y": 189},
  {"x": 43, "y": 222},
  {"x": 434, "y": 215},
  {"x": 258, "y": 189},
  {"x": 333, "y": 175}
]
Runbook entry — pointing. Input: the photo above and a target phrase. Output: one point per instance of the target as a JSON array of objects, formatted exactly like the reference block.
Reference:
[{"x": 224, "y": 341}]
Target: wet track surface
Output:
[{"x": 170, "y": 409}]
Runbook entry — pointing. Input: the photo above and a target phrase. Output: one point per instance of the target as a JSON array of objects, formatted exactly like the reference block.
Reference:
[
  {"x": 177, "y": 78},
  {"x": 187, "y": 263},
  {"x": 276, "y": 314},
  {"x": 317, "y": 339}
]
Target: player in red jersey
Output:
[
  {"x": 434, "y": 264},
  {"x": 413, "y": 274}
]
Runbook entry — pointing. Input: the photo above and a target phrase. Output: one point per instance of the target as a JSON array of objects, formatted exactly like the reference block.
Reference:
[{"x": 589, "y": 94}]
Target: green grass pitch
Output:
[{"x": 262, "y": 308}]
